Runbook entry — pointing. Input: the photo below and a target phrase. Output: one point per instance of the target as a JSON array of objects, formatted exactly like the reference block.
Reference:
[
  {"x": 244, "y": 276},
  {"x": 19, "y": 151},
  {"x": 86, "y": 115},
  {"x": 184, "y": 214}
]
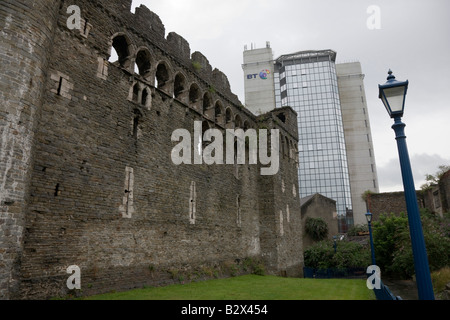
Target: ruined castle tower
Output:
[
  {"x": 27, "y": 29},
  {"x": 86, "y": 176}
]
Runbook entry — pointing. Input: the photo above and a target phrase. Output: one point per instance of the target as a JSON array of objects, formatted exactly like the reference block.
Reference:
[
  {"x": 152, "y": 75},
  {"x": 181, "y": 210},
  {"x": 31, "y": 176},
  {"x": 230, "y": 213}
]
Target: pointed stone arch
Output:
[
  {"x": 143, "y": 62},
  {"x": 208, "y": 106},
  {"x": 180, "y": 87},
  {"x": 195, "y": 96},
  {"x": 219, "y": 112},
  {"x": 121, "y": 44},
  {"x": 163, "y": 76},
  {"x": 229, "y": 118}
]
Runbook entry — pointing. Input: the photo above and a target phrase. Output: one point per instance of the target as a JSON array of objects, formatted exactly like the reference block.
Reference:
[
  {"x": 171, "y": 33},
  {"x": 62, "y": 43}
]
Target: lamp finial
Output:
[{"x": 391, "y": 76}]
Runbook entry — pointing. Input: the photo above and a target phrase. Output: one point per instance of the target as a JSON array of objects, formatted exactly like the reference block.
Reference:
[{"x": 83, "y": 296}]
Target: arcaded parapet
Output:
[{"x": 104, "y": 191}]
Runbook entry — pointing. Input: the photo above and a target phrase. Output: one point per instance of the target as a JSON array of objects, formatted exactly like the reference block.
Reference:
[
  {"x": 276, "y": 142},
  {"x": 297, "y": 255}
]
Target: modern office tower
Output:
[
  {"x": 358, "y": 136},
  {"x": 335, "y": 145},
  {"x": 308, "y": 83},
  {"x": 259, "y": 79}
]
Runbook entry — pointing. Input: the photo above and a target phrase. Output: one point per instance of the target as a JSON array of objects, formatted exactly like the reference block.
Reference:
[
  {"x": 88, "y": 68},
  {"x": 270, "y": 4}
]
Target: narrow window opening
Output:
[
  {"x": 62, "y": 85},
  {"x": 238, "y": 217},
  {"x": 281, "y": 223},
  {"x": 236, "y": 165},
  {"x": 59, "y": 86},
  {"x": 287, "y": 147},
  {"x": 102, "y": 69},
  {"x": 85, "y": 30},
  {"x": 144, "y": 97},
  {"x": 136, "y": 92},
  {"x": 127, "y": 208},
  {"x": 136, "y": 119},
  {"x": 57, "y": 190},
  {"x": 192, "y": 203}
]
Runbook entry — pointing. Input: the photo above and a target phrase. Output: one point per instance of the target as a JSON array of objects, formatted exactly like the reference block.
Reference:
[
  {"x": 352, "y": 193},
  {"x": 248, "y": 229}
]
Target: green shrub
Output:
[
  {"x": 319, "y": 255},
  {"x": 392, "y": 242},
  {"x": 388, "y": 232},
  {"x": 254, "y": 265},
  {"x": 351, "y": 255},
  {"x": 353, "y": 230},
  {"x": 348, "y": 255},
  {"x": 440, "y": 278},
  {"x": 316, "y": 228}
]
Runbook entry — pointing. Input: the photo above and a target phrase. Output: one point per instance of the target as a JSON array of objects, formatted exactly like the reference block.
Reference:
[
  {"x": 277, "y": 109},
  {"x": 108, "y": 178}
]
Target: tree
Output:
[
  {"x": 316, "y": 228},
  {"x": 434, "y": 179},
  {"x": 392, "y": 243}
]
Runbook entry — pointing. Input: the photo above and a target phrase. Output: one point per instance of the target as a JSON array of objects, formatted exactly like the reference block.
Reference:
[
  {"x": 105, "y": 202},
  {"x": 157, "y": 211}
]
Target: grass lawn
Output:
[{"x": 251, "y": 287}]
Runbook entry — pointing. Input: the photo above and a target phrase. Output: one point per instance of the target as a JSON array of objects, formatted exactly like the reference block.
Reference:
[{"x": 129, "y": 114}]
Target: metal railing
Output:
[
  {"x": 334, "y": 273},
  {"x": 383, "y": 293}
]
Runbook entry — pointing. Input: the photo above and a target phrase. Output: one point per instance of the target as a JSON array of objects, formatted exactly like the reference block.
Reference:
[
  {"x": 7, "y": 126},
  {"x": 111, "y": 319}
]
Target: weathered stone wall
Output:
[
  {"x": 24, "y": 55},
  {"x": 444, "y": 189},
  {"x": 435, "y": 199},
  {"x": 319, "y": 206},
  {"x": 388, "y": 202},
  {"x": 104, "y": 193}
]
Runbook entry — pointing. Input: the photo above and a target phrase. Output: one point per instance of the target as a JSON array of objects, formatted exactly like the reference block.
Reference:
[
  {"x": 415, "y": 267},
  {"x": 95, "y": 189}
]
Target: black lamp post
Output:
[
  {"x": 393, "y": 94},
  {"x": 372, "y": 249}
]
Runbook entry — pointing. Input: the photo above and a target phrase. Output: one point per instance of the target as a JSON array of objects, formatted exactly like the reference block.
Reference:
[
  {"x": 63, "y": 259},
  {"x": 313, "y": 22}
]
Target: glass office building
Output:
[{"x": 307, "y": 82}]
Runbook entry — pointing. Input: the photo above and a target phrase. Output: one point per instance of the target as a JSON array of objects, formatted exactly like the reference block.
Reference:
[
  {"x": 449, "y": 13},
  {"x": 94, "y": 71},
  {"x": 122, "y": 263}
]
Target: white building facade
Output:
[{"x": 336, "y": 157}]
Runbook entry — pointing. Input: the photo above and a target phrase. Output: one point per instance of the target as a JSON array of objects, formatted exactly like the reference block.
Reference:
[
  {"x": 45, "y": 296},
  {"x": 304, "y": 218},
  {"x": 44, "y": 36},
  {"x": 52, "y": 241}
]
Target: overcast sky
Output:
[{"x": 413, "y": 39}]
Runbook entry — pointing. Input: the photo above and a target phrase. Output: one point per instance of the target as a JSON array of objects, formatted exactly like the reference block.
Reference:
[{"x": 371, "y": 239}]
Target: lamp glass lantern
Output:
[
  {"x": 369, "y": 217},
  {"x": 393, "y": 95}
]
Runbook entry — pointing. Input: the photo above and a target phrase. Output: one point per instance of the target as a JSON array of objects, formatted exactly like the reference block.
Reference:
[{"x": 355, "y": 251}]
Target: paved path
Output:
[{"x": 406, "y": 289}]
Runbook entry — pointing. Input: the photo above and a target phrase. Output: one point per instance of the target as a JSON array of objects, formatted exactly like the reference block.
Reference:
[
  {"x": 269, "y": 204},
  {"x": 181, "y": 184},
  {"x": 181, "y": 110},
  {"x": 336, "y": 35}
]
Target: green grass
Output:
[
  {"x": 252, "y": 287},
  {"x": 440, "y": 279}
]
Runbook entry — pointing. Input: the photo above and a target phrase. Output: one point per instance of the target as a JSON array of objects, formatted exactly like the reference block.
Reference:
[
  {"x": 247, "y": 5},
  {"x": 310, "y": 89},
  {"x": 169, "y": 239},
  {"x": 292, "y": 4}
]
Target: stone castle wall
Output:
[{"x": 99, "y": 189}]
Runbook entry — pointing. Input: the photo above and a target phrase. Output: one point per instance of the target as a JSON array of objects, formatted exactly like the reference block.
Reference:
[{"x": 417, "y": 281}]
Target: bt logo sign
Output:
[{"x": 264, "y": 74}]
